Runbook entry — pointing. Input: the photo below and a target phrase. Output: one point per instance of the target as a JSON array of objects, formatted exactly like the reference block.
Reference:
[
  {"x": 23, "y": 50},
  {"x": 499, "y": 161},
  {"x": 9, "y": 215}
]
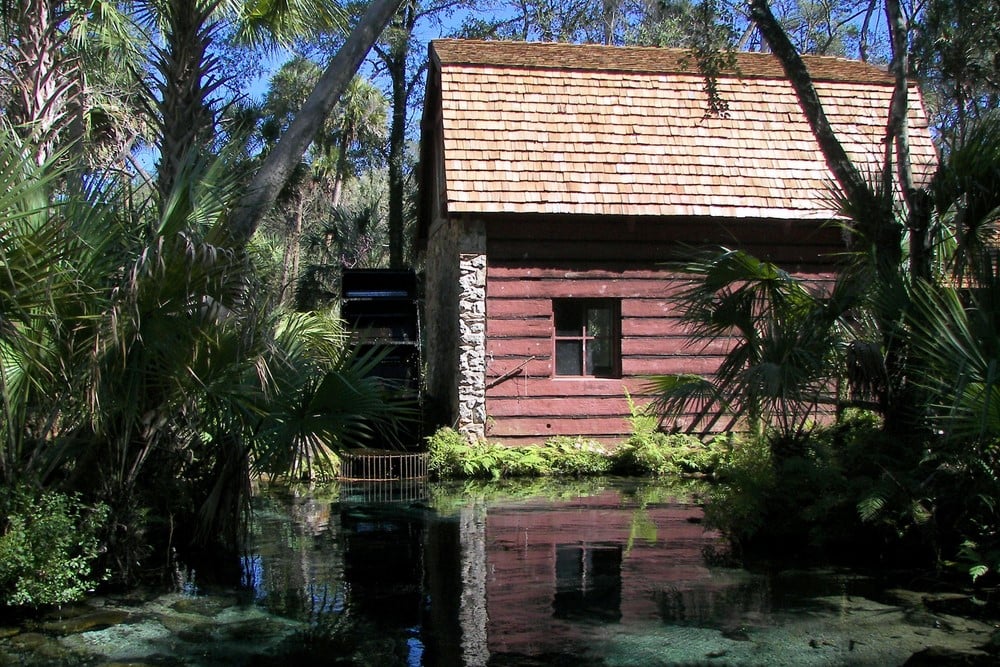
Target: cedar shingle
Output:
[{"x": 612, "y": 131}]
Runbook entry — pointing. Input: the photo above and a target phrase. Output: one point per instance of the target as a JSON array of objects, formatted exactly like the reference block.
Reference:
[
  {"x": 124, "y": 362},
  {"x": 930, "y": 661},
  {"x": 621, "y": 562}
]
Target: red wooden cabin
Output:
[{"x": 556, "y": 182}]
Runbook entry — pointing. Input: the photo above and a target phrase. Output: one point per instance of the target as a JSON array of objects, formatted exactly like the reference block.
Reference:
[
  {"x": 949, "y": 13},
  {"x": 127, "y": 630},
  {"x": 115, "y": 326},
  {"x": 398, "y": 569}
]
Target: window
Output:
[
  {"x": 588, "y": 582},
  {"x": 587, "y": 340}
]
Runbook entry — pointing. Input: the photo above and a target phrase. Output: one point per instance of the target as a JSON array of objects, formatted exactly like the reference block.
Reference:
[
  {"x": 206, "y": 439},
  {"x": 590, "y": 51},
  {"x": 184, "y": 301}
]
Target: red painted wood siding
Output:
[
  {"x": 532, "y": 404},
  {"x": 528, "y": 268},
  {"x": 522, "y": 541}
]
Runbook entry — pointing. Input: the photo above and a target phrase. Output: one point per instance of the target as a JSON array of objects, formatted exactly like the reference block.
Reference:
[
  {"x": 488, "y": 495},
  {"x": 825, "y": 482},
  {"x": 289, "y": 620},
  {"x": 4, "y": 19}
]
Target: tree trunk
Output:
[
  {"x": 843, "y": 168},
  {"x": 397, "y": 144},
  {"x": 281, "y": 162},
  {"x": 865, "y": 31},
  {"x": 874, "y": 210},
  {"x": 340, "y": 171},
  {"x": 290, "y": 258},
  {"x": 897, "y": 133}
]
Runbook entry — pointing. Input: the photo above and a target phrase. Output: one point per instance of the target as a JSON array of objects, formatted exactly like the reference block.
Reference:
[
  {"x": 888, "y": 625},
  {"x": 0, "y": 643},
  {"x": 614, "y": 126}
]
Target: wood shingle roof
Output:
[{"x": 583, "y": 129}]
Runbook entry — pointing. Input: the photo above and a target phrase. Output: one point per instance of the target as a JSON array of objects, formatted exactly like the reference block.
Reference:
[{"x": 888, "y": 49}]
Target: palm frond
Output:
[
  {"x": 957, "y": 340},
  {"x": 780, "y": 340},
  {"x": 966, "y": 191}
]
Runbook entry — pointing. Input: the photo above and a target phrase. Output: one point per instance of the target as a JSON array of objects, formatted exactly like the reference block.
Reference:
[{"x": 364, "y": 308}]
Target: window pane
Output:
[
  {"x": 568, "y": 319},
  {"x": 569, "y": 357},
  {"x": 588, "y": 582},
  {"x": 599, "y": 322},
  {"x": 599, "y": 359}
]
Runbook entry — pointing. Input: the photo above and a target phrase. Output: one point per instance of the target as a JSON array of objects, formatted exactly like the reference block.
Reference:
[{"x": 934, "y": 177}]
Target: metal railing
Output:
[{"x": 383, "y": 466}]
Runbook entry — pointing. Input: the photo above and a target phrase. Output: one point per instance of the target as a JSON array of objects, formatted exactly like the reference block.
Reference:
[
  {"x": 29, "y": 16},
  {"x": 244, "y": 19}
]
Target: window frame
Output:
[{"x": 614, "y": 338}]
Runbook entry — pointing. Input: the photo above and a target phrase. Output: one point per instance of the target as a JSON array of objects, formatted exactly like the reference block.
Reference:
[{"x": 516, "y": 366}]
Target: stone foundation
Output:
[{"x": 471, "y": 413}]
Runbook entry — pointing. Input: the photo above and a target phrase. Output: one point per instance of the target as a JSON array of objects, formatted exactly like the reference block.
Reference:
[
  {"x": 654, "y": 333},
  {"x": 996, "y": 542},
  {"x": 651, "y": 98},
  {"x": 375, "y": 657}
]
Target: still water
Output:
[{"x": 608, "y": 572}]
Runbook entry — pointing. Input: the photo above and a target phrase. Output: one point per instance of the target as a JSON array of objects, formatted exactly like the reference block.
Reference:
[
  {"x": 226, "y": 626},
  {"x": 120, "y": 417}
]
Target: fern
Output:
[{"x": 871, "y": 506}]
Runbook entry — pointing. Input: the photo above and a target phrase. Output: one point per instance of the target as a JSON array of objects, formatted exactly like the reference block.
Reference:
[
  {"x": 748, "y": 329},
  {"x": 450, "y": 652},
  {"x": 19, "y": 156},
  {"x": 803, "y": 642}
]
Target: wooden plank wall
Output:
[{"x": 529, "y": 265}]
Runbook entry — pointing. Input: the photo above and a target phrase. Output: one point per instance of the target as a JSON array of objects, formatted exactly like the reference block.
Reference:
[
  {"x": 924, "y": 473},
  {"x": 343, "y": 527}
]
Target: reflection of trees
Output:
[
  {"x": 713, "y": 607},
  {"x": 298, "y": 568}
]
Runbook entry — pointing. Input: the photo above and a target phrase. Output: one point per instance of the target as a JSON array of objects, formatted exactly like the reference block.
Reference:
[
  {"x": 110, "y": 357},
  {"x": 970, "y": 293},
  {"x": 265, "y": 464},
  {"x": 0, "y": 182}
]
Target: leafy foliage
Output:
[
  {"x": 145, "y": 365},
  {"x": 644, "y": 453},
  {"x": 48, "y": 546},
  {"x": 814, "y": 502}
]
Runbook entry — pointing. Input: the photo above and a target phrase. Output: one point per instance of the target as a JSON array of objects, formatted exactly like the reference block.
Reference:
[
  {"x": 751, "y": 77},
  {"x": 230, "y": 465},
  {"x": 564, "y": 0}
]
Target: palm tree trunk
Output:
[
  {"x": 340, "y": 171},
  {"x": 282, "y": 160},
  {"x": 185, "y": 117},
  {"x": 290, "y": 257},
  {"x": 44, "y": 83},
  {"x": 879, "y": 221},
  {"x": 917, "y": 200}
]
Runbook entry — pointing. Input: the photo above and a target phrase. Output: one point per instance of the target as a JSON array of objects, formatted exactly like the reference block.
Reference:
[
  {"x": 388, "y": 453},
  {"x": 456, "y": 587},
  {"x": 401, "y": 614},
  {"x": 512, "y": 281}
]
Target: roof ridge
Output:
[{"x": 640, "y": 59}]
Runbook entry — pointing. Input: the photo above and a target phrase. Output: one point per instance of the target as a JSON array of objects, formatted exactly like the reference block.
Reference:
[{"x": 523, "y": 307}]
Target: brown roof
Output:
[
  {"x": 583, "y": 129},
  {"x": 551, "y": 55}
]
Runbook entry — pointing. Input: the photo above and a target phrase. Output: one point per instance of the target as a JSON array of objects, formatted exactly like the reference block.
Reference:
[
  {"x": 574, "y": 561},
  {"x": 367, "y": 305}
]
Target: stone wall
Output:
[
  {"x": 472, "y": 332},
  {"x": 455, "y": 323}
]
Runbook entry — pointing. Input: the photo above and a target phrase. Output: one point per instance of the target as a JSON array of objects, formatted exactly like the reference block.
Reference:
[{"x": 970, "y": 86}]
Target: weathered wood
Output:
[
  {"x": 569, "y": 249},
  {"x": 512, "y": 308},
  {"x": 530, "y": 387},
  {"x": 654, "y": 341},
  {"x": 661, "y": 308},
  {"x": 584, "y": 271},
  {"x": 537, "y": 428},
  {"x": 791, "y": 258},
  {"x": 633, "y": 326},
  {"x": 539, "y": 367},
  {"x": 671, "y": 346},
  {"x": 648, "y": 366},
  {"x": 519, "y": 327},
  {"x": 686, "y": 231},
  {"x": 669, "y": 350},
  {"x": 697, "y": 364},
  {"x": 519, "y": 347},
  {"x": 592, "y": 407}
]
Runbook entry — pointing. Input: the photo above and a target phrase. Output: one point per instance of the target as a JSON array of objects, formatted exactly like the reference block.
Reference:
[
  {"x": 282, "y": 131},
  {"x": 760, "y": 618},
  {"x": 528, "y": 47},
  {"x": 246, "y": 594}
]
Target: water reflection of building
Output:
[
  {"x": 552, "y": 570},
  {"x": 529, "y": 578}
]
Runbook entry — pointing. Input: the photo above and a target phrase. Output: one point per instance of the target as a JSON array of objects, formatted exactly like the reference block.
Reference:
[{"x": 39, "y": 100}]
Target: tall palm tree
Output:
[
  {"x": 281, "y": 162},
  {"x": 353, "y": 133},
  {"x": 359, "y": 120},
  {"x": 186, "y": 63},
  {"x": 52, "y": 49}
]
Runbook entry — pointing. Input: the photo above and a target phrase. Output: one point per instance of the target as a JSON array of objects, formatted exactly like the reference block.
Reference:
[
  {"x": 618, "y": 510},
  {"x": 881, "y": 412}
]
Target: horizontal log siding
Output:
[
  {"x": 527, "y": 269},
  {"x": 527, "y": 403}
]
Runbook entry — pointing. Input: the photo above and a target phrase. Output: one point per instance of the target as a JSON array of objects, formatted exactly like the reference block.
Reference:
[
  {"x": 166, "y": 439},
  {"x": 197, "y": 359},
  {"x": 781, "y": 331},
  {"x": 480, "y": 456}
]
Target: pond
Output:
[{"x": 600, "y": 572}]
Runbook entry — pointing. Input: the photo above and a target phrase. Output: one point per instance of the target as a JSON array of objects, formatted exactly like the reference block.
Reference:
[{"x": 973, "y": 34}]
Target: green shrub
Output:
[
  {"x": 645, "y": 454},
  {"x": 738, "y": 504},
  {"x": 447, "y": 451},
  {"x": 576, "y": 456},
  {"x": 452, "y": 457},
  {"x": 670, "y": 454},
  {"x": 48, "y": 547}
]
